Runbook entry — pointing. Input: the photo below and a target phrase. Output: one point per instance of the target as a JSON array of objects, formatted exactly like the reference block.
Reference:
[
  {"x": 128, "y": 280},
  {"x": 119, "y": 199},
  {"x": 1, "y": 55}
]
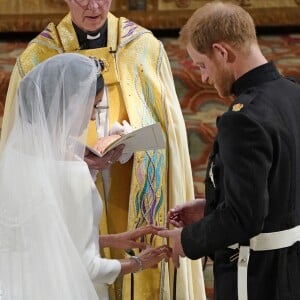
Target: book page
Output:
[{"x": 142, "y": 139}]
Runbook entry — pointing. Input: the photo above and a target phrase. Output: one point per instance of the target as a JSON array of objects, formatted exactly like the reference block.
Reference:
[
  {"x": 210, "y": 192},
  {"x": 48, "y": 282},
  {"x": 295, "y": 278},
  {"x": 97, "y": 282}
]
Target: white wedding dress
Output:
[
  {"x": 49, "y": 206},
  {"x": 83, "y": 225}
]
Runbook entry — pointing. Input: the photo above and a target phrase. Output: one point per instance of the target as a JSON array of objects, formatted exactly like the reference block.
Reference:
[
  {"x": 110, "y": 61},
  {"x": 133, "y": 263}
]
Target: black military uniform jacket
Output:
[{"x": 253, "y": 186}]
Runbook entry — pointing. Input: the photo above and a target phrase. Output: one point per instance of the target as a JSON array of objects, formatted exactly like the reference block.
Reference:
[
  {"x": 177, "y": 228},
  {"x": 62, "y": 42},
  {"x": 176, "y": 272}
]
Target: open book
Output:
[{"x": 142, "y": 139}]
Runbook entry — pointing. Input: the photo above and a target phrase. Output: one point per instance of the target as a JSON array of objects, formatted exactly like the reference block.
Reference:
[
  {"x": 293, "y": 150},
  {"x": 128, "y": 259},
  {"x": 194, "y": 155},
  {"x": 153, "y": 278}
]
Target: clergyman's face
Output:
[
  {"x": 89, "y": 15},
  {"x": 214, "y": 71}
]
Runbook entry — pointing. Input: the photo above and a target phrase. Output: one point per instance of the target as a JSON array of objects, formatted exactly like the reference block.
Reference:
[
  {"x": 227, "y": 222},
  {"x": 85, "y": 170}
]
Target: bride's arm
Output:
[{"x": 129, "y": 239}]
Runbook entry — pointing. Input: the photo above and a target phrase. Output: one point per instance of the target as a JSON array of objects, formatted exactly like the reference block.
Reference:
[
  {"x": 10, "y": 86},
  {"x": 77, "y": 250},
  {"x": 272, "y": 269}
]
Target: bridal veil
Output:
[{"x": 38, "y": 258}]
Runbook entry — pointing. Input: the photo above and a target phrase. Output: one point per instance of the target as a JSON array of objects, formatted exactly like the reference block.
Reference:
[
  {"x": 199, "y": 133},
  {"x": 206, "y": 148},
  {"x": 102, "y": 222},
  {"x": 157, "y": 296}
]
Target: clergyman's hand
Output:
[
  {"x": 187, "y": 213},
  {"x": 174, "y": 237}
]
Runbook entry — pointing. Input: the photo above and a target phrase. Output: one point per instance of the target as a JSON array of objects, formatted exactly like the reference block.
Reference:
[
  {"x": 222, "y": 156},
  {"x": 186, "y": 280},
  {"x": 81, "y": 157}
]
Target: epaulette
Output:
[{"x": 243, "y": 100}]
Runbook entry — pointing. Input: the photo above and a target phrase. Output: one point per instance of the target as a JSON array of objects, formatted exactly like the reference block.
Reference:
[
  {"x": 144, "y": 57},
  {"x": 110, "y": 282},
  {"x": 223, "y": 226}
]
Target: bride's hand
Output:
[
  {"x": 150, "y": 257},
  {"x": 99, "y": 163},
  {"x": 129, "y": 239}
]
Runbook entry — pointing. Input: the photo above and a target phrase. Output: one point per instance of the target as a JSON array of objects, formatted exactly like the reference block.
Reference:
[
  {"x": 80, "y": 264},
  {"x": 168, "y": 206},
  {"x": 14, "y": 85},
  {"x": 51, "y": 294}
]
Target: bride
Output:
[{"x": 49, "y": 206}]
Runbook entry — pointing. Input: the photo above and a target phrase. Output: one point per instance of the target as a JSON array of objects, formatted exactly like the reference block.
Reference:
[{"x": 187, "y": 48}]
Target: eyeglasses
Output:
[{"x": 84, "y": 3}]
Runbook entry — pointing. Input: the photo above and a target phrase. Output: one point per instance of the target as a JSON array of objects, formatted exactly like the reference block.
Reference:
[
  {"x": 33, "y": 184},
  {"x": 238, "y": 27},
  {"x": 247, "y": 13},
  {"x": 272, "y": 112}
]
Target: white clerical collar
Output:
[{"x": 93, "y": 37}]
